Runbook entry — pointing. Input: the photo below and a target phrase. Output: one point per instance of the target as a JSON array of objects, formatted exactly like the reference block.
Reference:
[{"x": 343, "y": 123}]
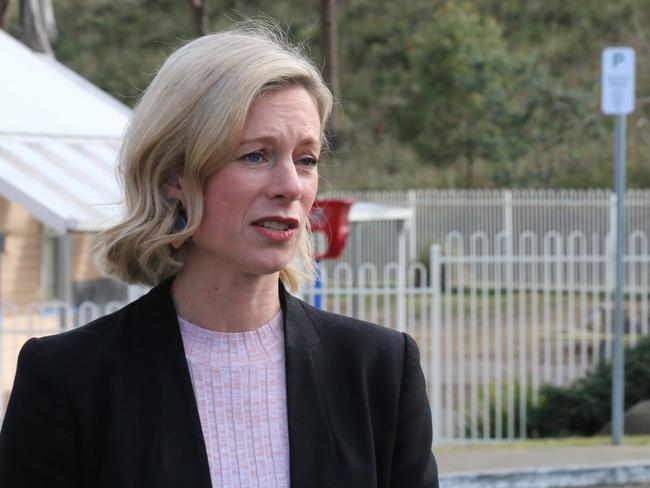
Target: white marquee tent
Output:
[{"x": 59, "y": 137}]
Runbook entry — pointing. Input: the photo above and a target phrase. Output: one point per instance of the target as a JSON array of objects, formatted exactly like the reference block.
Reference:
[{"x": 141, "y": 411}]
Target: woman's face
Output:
[{"x": 256, "y": 206}]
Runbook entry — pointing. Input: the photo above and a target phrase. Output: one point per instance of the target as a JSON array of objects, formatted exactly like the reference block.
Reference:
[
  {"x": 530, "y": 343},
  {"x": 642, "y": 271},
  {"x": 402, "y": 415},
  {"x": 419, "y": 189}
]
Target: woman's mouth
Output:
[
  {"x": 276, "y": 228},
  {"x": 269, "y": 224}
]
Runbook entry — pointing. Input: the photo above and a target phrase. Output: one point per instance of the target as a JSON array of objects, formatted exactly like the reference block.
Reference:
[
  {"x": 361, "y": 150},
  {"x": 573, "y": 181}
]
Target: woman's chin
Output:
[{"x": 268, "y": 266}]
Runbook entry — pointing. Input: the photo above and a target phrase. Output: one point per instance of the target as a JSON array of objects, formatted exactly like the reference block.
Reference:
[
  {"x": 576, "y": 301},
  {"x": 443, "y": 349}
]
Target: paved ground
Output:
[
  {"x": 473, "y": 459},
  {"x": 545, "y": 466}
]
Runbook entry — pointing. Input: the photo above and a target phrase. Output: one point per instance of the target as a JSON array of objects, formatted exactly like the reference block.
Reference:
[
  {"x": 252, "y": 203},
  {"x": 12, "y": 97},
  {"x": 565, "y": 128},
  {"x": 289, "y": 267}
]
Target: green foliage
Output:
[
  {"x": 119, "y": 44},
  {"x": 584, "y": 407},
  {"x": 444, "y": 93},
  {"x": 473, "y": 92},
  {"x": 567, "y": 39},
  {"x": 458, "y": 71}
]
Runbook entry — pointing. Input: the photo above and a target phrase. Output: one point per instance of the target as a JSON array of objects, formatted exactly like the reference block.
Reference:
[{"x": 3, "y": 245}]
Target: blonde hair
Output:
[{"x": 188, "y": 122}]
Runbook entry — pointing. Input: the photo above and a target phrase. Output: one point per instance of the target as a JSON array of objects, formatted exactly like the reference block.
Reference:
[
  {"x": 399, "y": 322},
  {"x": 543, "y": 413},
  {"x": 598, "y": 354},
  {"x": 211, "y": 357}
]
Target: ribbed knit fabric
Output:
[{"x": 240, "y": 388}]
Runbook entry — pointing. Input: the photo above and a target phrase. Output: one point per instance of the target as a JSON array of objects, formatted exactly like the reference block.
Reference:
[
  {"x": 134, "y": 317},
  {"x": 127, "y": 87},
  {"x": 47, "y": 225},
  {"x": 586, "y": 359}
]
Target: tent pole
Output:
[{"x": 64, "y": 268}]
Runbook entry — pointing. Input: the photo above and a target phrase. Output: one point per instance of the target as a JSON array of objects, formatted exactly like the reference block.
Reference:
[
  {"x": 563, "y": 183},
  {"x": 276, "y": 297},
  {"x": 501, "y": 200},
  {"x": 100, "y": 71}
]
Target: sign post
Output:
[{"x": 617, "y": 98}]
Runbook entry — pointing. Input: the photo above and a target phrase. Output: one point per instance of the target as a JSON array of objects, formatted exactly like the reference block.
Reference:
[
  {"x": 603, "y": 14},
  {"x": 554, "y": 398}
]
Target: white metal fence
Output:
[
  {"x": 509, "y": 322},
  {"x": 495, "y": 318},
  {"x": 439, "y": 212},
  {"x": 496, "y": 322}
]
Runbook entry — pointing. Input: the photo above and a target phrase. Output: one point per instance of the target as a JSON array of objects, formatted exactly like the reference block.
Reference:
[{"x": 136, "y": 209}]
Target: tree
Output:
[
  {"x": 452, "y": 98},
  {"x": 462, "y": 92},
  {"x": 444, "y": 82},
  {"x": 3, "y": 10},
  {"x": 38, "y": 26},
  {"x": 199, "y": 16},
  {"x": 451, "y": 92},
  {"x": 328, "y": 44}
]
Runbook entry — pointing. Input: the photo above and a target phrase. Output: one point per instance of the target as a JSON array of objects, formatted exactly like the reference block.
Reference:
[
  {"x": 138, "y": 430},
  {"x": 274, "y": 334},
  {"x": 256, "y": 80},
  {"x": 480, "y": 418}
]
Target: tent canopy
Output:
[{"x": 59, "y": 137}]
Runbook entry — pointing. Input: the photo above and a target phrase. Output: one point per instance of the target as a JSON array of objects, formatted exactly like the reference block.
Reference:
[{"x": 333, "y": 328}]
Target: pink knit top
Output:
[{"x": 240, "y": 388}]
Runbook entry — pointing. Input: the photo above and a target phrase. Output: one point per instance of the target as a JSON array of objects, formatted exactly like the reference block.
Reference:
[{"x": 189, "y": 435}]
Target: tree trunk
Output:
[
  {"x": 38, "y": 25},
  {"x": 328, "y": 43},
  {"x": 3, "y": 10},
  {"x": 469, "y": 170},
  {"x": 199, "y": 17}
]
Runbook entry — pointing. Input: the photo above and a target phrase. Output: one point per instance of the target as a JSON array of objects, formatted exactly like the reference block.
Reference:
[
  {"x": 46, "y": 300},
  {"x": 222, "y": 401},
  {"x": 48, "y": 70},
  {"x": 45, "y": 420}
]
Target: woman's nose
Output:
[{"x": 285, "y": 181}]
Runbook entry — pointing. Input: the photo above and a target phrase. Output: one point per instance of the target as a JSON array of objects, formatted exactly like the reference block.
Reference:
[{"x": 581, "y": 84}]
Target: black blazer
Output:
[{"x": 111, "y": 405}]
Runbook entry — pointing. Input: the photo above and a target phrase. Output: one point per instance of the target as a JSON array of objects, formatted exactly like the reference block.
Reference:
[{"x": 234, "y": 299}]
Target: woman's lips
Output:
[{"x": 276, "y": 228}]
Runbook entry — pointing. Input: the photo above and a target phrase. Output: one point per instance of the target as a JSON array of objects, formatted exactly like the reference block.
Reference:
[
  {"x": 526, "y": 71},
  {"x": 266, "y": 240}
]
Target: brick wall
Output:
[{"x": 22, "y": 279}]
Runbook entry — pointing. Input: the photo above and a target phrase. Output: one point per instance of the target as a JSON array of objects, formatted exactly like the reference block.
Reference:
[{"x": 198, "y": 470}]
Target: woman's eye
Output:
[
  {"x": 308, "y": 161},
  {"x": 254, "y": 157}
]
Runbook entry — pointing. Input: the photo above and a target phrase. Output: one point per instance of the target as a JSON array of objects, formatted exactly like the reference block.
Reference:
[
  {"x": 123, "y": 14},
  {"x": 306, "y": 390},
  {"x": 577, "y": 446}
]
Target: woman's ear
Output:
[{"x": 174, "y": 188}]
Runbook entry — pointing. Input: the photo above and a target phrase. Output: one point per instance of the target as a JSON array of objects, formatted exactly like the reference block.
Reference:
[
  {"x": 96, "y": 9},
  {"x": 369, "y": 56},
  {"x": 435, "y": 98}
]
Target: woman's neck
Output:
[{"x": 225, "y": 302}]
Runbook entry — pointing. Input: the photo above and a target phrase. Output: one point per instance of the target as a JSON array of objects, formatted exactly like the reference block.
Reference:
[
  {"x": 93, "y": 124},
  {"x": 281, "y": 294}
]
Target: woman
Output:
[{"x": 218, "y": 376}]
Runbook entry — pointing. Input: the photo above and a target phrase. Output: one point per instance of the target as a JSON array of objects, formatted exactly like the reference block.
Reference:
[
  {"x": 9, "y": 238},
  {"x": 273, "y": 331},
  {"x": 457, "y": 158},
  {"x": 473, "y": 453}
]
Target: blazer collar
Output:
[{"x": 181, "y": 451}]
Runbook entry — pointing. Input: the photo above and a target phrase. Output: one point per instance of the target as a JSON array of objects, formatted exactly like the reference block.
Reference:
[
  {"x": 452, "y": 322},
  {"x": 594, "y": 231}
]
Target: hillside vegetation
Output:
[{"x": 433, "y": 93}]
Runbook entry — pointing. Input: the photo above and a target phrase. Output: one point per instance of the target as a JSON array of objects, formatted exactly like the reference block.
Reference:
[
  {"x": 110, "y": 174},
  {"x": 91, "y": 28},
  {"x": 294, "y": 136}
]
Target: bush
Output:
[{"x": 584, "y": 407}]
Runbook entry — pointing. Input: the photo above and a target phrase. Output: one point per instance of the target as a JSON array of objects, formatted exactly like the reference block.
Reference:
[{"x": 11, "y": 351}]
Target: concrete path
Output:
[{"x": 514, "y": 466}]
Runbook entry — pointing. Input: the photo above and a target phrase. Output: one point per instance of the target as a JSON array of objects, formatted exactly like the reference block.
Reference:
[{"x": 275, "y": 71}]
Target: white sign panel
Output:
[{"x": 617, "y": 91}]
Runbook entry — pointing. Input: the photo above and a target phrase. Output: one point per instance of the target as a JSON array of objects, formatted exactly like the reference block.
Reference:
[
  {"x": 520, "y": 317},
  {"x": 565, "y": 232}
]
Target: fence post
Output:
[
  {"x": 508, "y": 231},
  {"x": 64, "y": 277},
  {"x": 435, "y": 363},
  {"x": 401, "y": 282},
  {"x": 412, "y": 225},
  {"x": 507, "y": 218}
]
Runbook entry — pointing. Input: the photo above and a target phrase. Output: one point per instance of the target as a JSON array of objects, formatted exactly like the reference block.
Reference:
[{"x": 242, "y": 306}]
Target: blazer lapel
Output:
[
  {"x": 313, "y": 459},
  {"x": 181, "y": 451}
]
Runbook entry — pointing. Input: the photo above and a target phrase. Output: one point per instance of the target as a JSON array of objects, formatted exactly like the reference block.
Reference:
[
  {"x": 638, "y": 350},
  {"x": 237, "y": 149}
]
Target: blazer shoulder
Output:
[
  {"x": 358, "y": 337},
  {"x": 98, "y": 331},
  {"x": 130, "y": 328}
]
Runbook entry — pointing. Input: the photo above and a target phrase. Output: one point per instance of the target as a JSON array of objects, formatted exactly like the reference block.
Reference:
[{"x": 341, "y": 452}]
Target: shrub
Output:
[{"x": 584, "y": 407}]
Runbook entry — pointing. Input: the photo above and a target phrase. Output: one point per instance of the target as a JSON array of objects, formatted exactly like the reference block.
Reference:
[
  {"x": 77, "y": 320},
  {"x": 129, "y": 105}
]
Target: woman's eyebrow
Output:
[
  {"x": 307, "y": 140},
  {"x": 261, "y": 139}
]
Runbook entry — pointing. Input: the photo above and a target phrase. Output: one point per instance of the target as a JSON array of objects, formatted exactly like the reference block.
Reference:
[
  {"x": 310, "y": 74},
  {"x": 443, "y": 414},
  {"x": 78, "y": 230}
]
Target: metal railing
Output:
[
  {"x": 495, "y": 317},
  {"x": 439, "y": 212}
]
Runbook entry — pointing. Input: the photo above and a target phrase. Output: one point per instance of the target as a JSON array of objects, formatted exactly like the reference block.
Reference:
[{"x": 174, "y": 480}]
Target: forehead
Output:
[{"x": 290, "y": 111}]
